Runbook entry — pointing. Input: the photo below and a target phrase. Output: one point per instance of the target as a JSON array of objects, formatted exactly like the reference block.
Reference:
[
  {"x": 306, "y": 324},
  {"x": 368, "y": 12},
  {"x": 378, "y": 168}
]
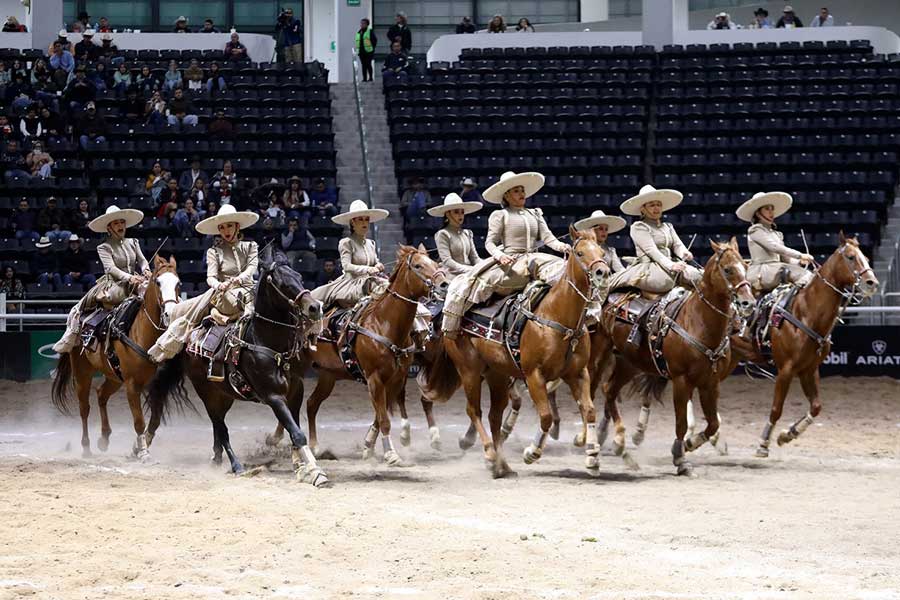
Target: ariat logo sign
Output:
[{"x": 879, "y": 346}]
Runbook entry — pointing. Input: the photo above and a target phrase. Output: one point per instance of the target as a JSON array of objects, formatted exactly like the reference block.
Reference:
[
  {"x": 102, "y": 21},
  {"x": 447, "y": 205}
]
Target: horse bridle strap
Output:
[
  {"x": 821, "y": 340},
  {"x": 397, "y": 351},
  {"x": 850, "y": 295},
  {"x": 568, "y": 333},
  {"x": 712, "y": 354}
]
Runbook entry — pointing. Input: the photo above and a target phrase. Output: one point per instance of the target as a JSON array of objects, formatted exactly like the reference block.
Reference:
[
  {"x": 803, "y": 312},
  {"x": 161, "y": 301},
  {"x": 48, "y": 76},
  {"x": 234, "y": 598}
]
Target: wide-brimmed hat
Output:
[
  {"x": 468, "y": 181},
  {"x": 74, "y": 238},
  {"x": 131, "y": 216},
  {"x": 531, "y": 181},
  {"x": 180, "y": 19},
  {"x": 227, "y": 214},
  {"x": 358, "y": 208},
  {"x": 452, "y": 201},
  {"x": 295, "y": 178},
  {"x": 780, "y": 200},
  {"x": 44, "y": 242},
  {"x": 761, "y": 11},
  {"x": 722, "y": 14},
  {"x": 669, "y": 198},
  {"x": 788, "y": 8},
  {"x": 598, "y": 217},
  {"x": 63, "y": 33},
  {"x": 106, "y": 36},
  {"x": 88, "y": 32}
]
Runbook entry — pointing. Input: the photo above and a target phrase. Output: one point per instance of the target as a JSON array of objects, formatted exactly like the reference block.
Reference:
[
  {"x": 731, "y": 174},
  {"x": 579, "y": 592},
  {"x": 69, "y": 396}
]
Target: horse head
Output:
[
  {"x": 849, "y": 270},
  {"x": 726, "y": 273},
  {"x": 287, "y": 284},
  {"x": 417, "y": 273},
  {"x": 164, "y": 286},
  {"x": 590, "y": 257}
]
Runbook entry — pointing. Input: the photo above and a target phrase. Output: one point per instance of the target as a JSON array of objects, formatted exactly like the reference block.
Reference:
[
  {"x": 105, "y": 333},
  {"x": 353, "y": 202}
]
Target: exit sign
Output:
[{"x": 352, "y": 2}]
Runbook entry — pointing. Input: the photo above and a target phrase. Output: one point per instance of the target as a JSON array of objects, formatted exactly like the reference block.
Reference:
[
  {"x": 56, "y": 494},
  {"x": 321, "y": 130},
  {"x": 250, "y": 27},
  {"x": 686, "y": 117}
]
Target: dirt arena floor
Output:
[{"x": 818, "y": 519}]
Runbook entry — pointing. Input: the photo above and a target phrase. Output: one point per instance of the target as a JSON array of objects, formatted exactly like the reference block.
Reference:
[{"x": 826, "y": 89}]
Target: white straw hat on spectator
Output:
[
  {"x": 669, "y": 198},
  {"x": 63, "y": 33},
  {"x": 358, "y": 208},
  {"x": 131, "y": 216},
  {"x": 180, "y": 19},
  {"x": 531, "y": 181},
  {"x": 452, "y": 201},
  {"x": 88, "y": 33},
  {"x": 74, "y": 238},
  {"x": 227, "y": 214},
  {"x": 722, "y": 14},
  {"x": 598, "y": 217},
  {"x": 44, "y": 242},
  {"x": 106, "y": 36},
  {"x": 780, "y": 200},
  {"x": 468, "y": 181},
  {"x": 788, "y": 8}
]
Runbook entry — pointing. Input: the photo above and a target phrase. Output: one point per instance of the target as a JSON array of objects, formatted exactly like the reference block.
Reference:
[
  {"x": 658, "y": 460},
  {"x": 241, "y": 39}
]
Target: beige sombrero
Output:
[
  {"x": 780, "y": 200},
  {"x": 358, "y": 208},
  {"x": 669, "y": 198},
  {"x": 531, "y": 181},
  {"x": 598, "y": 217},
  {"x": 227, "y": 214},
  {"x": 452, "y": 201},
  {"x": 131, "y": 216}
]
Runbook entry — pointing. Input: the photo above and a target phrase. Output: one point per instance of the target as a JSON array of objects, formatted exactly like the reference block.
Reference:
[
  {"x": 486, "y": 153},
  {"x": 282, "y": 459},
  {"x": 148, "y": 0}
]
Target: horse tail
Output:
[
  {"x": 648, "y": 386},
  {"x": 62, "y": 384},
  {"x": 166, "y": 385},
  {"x": 438, "y": 378}
]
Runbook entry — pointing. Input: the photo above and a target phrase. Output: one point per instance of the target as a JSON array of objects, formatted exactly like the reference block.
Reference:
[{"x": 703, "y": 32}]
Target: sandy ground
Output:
[{"x": 818, "y": 519}]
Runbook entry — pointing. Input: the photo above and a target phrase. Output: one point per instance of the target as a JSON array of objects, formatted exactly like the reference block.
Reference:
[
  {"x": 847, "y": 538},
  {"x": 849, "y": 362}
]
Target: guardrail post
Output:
[{"x": 3, "y": 311}]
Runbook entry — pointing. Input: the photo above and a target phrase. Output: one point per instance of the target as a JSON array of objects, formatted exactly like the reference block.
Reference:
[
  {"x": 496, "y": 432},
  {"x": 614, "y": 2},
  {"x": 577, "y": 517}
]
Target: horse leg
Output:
[
  {"x": 621, "y": 375},
  {"x": 498, "y": 386},
  {"x": 580, "y": 385},
  {"x": 554, "y": 408},
  {"x": 709, "y": 400},
  {"x": 681, "y": 393},
  {"x": 810, "y": 382},
  {"x": 509, "y": 421},
  {"x": 82, "y": 377},
  {"x": 691, "y": 421},
  {"x": 612, "y": 410},
  {"x": 405, "y": 427},
  {"x": 322, "y": 390},
  {"x": 379, "y": 391},
  {"x": 433, "y": 431},
  {"x": 217, "y": 407},
  {"x": 782, "y": 386},
  {"x": 472, "y": 387},
  {"x": 137, "y": 415},
  {"x": 106, "y": 389},
  {"x": 302, "y": 457},
  {"x": 537, "y": 389}
]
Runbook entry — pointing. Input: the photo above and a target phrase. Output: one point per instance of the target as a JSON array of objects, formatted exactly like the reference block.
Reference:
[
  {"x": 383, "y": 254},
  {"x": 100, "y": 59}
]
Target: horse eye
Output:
[
  {"x": 728, "y": 270},
  {"x": 579, "y": 253}
]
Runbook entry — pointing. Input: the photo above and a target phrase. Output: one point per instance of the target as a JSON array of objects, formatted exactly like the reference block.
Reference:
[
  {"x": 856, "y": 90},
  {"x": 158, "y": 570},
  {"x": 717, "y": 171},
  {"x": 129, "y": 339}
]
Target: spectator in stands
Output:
[
  {"x": 38, "y": 161},
  {"x": 84, "y": 20},
  {"x": 12, "y": 25},
  {"x": 497, "y": 25},
  {"x": 186, "y": 218},
  {"x": 155, "y": 111},
  {"x": 52, "y": 220},
  {"x": 30, "y": 126},
  {"x": 173, "y": 78},
  {"x": 63, "y": 38},
  {"x": 91, "y": 127},
  {"x": 19, "y": 93},
  {"x": 788, "y": 19},
  {"x": 13, "y": 287},
  {"x": 23, "y": 222},
  {"x": 297, "y": 240},
  {"x": 170, "y": 198},
  {"x": 62, "y": 59},
  {"x": 222, "y": 193},
  {"x": 6, "y": 129},
  {"x": 121, "y": 80},
  {"x": 43, "y": 264},
  {"x": 181, "y": 25},
  {"x": 235, "y": 50},
  {"x": 146, "y": 81},
  {"x": 86, "y": 49},
  {"x": 272, "y": 213},
  {"x": 75, "y": 266},
  {"x": 365, "y": 46},
  {"x": 289, "y": 37},
  {"x": 103, "y": 26},
  {"x": 469, "y": 193},
  {"x": 209, "y": 27},
  {"x": 133, "y": 108},
  {"x": 396, "y": 62},
  {"x": 466, "y": 26},
  {"x": 328, "y": 273},
  {"x": 108, "y": 50},
  {"x": 18, "y": 66},
  {"x": 193, "y": 75},
  {"x": 81, "y": 216},
  {"x": 220, "y": 126},
  {"x": 80, "y": 92},
  {"x": 524, "y": 26},
  {"x": 156, "y": 181},
  {"x": 296, "y": 200},
  {"x": 823, "y": 19},
  {"x": 212, "y": 208},
  {"x": 215, "y": 81},
  {"x": 228, "y": 173},
  {"x": 77, "y": 27},
  {"x": 99, "y": 77},
  {"x": 760, "y": 20},
  {"x": 5, "y": 77},
  {"x": 324, "y": 198},
  {"x": 399, "y": 32},
  {"x": 54, "y": 126},
  {"x": 13, "y": 161},
  {"x": 42, "y": 81},
  {"x": 199, "y": 193},
  {"x": 722, "y": 21},
  {"x": 415, "y": 201},
  {"x": 181, "y": 111},
  {"x": 187, "y": 179}
]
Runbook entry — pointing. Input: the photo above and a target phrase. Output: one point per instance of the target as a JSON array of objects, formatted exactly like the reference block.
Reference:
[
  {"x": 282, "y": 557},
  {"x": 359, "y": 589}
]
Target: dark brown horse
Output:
[
  {"x": 136, "y": 368},
  {"x": 695, "y": 350},
  {"x": 552, "y": 347},
  {"x": 382, "y": 347}
]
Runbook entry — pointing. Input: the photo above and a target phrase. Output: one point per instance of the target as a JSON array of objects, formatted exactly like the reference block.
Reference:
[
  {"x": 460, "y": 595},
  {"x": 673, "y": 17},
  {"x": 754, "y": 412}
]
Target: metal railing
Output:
[
  {"x": 364, "y": 145},
  {"x": 893, "y": 280}
]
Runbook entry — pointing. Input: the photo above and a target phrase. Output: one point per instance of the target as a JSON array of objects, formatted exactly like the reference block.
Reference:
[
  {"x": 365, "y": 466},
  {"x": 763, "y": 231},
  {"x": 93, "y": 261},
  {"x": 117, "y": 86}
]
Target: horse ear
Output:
[
  {"x": 422, "y": 248},
  {"x": 714, "y": 245},
  {"x": 158, "y": 261},
  {"x": 265, "y": 256},
  {"x": 841, "y": 237},
  {"x": 573, "y": 233},
  {"x": 172, "y": 262},
  {"x": 734, "y": 244}
]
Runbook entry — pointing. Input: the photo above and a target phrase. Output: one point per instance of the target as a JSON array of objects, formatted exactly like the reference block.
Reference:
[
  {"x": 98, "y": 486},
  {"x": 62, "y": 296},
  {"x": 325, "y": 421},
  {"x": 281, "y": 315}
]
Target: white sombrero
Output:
[
  {"x": 598, "y": 217},
  {"x": 131, "y": 216},
  {"x": 227, "y": 214},
  {"x": 780, "y": 200},
  {"x": 452, "y": 201},
  {"x": 358, "y": 208},
  {"x": 531, "y": 181},
  {"x": 669, "y": 198}
]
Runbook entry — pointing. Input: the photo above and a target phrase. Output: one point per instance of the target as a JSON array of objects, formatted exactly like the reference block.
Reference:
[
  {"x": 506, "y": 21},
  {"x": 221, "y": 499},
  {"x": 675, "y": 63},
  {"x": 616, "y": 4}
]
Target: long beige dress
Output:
[
  {"x": 511, "y": 232},
  {"x": 121, "y": 258},
  {"x": 224, "y": 261},
  {"x": 456, "y": 249},
  {"x": 358, "y": 260},
  {"x": 655, "y": 245},
  {"x": 771, "y": 262},
  {"x": 612, "y": 259}
]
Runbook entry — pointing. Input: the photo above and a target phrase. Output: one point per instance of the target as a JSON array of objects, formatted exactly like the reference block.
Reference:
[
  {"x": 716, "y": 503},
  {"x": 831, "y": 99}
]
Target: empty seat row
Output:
[
  {"x": 555, "y": 94},
  {"x": 804, "y": 160}
]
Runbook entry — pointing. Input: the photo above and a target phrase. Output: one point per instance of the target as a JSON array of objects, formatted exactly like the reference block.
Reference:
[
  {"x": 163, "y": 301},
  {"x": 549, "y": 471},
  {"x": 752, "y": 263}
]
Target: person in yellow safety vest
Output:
[{"x": 365, "y": 45}]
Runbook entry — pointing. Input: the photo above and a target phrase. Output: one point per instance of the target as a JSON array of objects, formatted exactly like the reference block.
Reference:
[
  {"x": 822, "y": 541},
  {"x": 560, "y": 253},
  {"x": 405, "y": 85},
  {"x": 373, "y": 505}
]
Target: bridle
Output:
[
  {"x": 428, "y": 281},
  {"x": 162, "y": 306},
  {"x": 854, "y": 295},
  {"x": 297, "y": 315},
  {"x": 732, "y": 289},
  {"x": 595, "y": 287}
]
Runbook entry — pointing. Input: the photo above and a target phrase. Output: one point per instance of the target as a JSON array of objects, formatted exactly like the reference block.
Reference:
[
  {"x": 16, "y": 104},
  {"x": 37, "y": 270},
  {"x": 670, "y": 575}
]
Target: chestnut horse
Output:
[
  {"x": 136, "y": 367},
  {"x": 695, "y": 350},
  {"x": 382, "y": 349},
  {"x": 553, "y": 346}
]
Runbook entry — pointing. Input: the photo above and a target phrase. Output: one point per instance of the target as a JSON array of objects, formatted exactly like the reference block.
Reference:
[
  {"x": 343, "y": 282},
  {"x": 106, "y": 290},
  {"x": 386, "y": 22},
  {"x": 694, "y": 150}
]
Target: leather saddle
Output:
[
  {"x": 337, "y": 331},
  {"x": 208, "y": 342},
  {"x": 103, "y": 324},
  {"x": 643, "y": 312},
  {"x": 769, "y": 313}
]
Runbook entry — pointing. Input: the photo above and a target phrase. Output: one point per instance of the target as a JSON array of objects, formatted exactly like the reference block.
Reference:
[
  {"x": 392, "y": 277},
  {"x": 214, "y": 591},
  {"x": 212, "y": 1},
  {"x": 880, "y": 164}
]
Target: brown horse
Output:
[
  {"x": 798, "y": 350},
  {"x": 382, "y": 349},
  {"x": 695, "y": 350},
  {"x": 552, "y": 347},
  {"x": 136, "y": 367}
]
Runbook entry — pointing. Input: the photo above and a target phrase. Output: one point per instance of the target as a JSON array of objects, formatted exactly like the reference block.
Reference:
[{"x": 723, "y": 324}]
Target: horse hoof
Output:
[
  {"x": 592, "y": 463},
  {"x": 784, "y": 437},
  {"x": 637, "y": 438},
  {"x": 103, "y": 444},
  {"x": 630, "y": 463},
  {"x": 686, "y": 469},
  {"x": 144, "y": 456},
  {"x": 368, "y": 453},
  {"x": 762, "y": 452},
  {"x": 392, "y": 459},
  {"x": 405, "y": 435},
  {"x": 272, "y": 440},
  {"x": 86, "y": 453},
  {"x": 465, "y": 443},
  {"x": 579, "y": 440},
  {"x": 215, "y": 461},
  {"x": 253, "y": 472},
  {"x": 314, "y": 476},
  {"x": 554, "y": 430},
  {"x": 721, "y": 447},
  {"x": 501, "y": 470},
  {"x": 435, "y": 438},
  {"x": 531, "y": 454}
]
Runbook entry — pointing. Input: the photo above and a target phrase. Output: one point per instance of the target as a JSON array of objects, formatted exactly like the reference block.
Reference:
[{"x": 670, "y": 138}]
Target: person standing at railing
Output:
[
  {"x": 399, "y": 32},
  {"x": 13, "y": 287},
  {"x": 289, "y": 37},
  {"x": 365, "y": 46}
]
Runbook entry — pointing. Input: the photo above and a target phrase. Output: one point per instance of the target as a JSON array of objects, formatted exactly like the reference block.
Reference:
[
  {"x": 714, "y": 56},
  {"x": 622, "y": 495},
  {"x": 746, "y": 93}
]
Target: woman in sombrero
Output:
[
  {"x": 771, "y": 262},
  {"x": 455, "y": 245},
  {"x": 603, "y": 225},
  {"x": 514, "y": 234},
  {"x": 655, "y": 243},
  {"x": 124, "y": 267},
  {"x": 231, "y": 264}
]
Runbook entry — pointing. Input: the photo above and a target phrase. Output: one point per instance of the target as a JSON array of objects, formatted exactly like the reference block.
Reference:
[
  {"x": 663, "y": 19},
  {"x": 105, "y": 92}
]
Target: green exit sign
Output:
[{"x": 352, "y": 2}]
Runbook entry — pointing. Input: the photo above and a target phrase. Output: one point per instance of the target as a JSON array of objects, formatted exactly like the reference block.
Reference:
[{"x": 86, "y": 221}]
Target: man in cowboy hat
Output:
[
  {"x": 181, "y": 25},
  {"x": 788, "y": 19},
  {"x": 469, "y": 193},
  {"x": 455, "y": 245},
  {"x": 86, "y": 49},
  {"x": 75, "y": 265},
  {"x": 43, "y": 265},
  {"x": 760, "y": 19},
  {"x": 514, "y": 235},
  {"x": 722, "y": 21}
]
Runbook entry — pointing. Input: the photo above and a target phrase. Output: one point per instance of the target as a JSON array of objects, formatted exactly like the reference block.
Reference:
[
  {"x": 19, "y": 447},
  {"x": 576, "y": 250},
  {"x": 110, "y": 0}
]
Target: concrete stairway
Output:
[{"x": 884, "y": 254}]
